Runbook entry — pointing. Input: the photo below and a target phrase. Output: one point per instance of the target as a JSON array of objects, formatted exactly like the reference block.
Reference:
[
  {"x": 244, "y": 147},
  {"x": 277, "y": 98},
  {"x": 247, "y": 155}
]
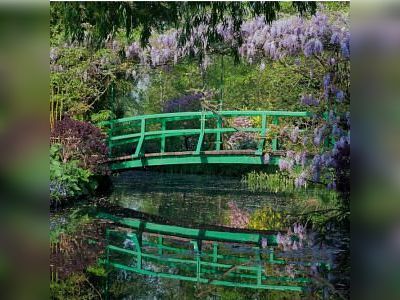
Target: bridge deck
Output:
[{"x": 185, "y": 153}]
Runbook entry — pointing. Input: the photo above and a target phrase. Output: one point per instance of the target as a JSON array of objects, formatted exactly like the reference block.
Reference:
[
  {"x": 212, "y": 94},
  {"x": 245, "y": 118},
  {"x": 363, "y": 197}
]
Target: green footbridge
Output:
[
  {"x": 221, "y": 258},
  {"x": 142, "y": 141}
]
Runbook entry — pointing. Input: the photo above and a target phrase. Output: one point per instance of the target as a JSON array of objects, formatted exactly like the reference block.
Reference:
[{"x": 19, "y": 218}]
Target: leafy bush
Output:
[
  {"x": 82, "y": 143},
  {"x": 102, "y": 115},
  {"x": 77, "y": 286},
  {"x": 67, "y": 179}
]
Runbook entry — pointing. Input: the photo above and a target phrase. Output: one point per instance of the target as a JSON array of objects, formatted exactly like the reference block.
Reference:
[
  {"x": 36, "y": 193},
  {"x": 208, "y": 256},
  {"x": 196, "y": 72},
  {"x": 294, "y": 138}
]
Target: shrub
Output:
[
  {"x": 81, "y": 142},
  {"x": 67, "y": 179}
]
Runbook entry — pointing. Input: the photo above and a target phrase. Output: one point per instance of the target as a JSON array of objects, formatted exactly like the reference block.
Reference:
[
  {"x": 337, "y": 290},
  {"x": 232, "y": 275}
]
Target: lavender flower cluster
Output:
[
  {"x": 293, "y": 35},
  {"x": 242, "y": 139},
  {"x": 309, "y": 100},
  {"x": 332, "y": 90},
  {"x": 286, "y": 164},
  {"x": 287, "y": 36},
  {"x": 189, "y": 102}
]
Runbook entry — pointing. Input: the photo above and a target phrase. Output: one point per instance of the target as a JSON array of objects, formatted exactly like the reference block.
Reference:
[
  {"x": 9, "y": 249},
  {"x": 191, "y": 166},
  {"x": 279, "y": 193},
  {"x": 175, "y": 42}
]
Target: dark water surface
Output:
[{"x": 186, "y": 200}]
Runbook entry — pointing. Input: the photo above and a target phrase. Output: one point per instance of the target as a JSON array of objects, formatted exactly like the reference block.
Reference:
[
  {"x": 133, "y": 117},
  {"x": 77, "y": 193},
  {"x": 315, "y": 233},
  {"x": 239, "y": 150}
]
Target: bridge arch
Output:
[{"x": 127, "y": 138}]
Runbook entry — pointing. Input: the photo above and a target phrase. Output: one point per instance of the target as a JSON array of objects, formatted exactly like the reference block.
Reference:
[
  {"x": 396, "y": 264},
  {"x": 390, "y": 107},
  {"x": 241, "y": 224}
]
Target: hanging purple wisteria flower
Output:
[
  {"x": 294, "y": 134},
  {"x": 313, "y": 47},
  {"x": 285, "y": 164},
  {"x": 309, "y": 100}
]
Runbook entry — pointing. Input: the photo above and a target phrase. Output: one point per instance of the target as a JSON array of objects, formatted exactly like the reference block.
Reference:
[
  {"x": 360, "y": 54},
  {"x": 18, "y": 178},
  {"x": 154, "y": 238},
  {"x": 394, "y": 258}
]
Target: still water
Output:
[{"x": 186, "y": 199}]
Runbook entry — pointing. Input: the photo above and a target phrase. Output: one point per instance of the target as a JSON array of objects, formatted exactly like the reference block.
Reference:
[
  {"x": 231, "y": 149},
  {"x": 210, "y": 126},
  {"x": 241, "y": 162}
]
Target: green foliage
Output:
[
  {"x": 94, "y": 23},
  {"x": 76, "y": 220},
  {"x": 97, "y": 270},
  {"x": 67, "y": 179},
  {"x": 80, "y": 78},
  {"x": 266, "y": 219},
  {"x": 75, "y": 287},
  {"x": 102, "y": 115},
  {"x": 276, "y": 182}
]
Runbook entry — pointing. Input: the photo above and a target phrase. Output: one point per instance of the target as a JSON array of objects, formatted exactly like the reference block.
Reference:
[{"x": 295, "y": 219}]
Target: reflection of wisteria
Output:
[
  {"x": 293, "y": 239},
  {"x": 238, "y": 218}
]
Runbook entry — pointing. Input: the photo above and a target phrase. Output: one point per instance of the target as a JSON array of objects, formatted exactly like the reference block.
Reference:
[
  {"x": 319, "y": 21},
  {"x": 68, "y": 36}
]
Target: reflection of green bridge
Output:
[
  {"x": 236, "y": 259},
  {"x": 131, "y": 140}
]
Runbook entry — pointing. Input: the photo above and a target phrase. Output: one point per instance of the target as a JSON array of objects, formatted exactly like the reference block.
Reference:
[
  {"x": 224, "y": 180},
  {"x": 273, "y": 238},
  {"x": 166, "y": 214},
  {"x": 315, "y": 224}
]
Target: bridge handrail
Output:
[
  {"x": 122, "y": 131},
  {"x": 190, "y": 115},
  {"x": 186, "y": 232}
]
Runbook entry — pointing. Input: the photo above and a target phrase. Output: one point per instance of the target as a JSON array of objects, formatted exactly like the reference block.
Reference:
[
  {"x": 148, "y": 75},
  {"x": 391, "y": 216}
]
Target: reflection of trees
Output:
[
  {"x": 266, "y": 218},
  {"x": 189, "y": 208}
]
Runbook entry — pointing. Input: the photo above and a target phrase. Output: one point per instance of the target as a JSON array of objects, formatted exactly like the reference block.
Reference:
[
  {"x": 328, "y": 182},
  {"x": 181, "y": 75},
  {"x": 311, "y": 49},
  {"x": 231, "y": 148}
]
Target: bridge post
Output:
[
  {"x": 110, "y": 134},
  {"x": 275, "y": 121},
  {"x": 197, "y": 251},
  {"x": 201, "y": 136},
  {"x": 259, "y": 266},
  {"x": 163, "y": 128},
  {"x": 262, "y": 134},
  {"x": 142, "y": 136},
  {"x": 215, "y": 254},
  {"x": 137, "y": 240},
  {"x": 218, "y": 140},
  {"x": 160, "y": 245}
]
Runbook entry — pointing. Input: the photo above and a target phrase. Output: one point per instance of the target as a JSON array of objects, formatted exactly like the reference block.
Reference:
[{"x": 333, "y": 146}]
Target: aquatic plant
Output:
[{"x": 272, "y": 182}]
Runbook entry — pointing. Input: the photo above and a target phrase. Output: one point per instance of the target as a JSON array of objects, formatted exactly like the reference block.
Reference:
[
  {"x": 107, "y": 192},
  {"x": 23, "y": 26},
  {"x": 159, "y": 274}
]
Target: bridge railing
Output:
[
  {"x": 137, "y": 130},
  {"x": 225, "y": 258}
]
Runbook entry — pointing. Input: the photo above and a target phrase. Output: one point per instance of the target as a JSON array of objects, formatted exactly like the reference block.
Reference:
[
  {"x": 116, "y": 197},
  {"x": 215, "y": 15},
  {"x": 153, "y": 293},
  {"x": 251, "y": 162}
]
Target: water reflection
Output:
[
  {"x": 203, "y": 199},
  {"x": 190, "y": 200}
]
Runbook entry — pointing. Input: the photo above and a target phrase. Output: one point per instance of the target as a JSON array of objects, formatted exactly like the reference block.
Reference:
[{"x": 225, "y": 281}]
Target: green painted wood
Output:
[
  {"x": 218, "y": 140},
  {"x": 205, "y": 264},
  {"x": 120, "y": 135},
  {"x": 163, "y": 136},
  {"x": 160, "y": 245},
  {"x": 191, "y": 159},
  {"x": 207, "y": 281},
  {"x": 201, "y": 136},
  {"x": 128, "y": 138},
  {"x": 192, "y": 233},
  {"x": 275, "y": 121},
  {"x": 261, "y": 143},
  {"x": 191, "y": 115},
  {"x": 142, "y": 136},
  {"x": 248, "y": 273}
]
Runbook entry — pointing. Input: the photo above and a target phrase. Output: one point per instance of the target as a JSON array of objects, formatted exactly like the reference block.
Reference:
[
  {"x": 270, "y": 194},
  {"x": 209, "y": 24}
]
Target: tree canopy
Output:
[{"x": 95, "y": 23}]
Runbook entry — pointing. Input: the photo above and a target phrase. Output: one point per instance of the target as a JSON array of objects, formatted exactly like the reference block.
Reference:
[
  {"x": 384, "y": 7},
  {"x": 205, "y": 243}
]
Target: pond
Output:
[{"x": 185, "y": 200}]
